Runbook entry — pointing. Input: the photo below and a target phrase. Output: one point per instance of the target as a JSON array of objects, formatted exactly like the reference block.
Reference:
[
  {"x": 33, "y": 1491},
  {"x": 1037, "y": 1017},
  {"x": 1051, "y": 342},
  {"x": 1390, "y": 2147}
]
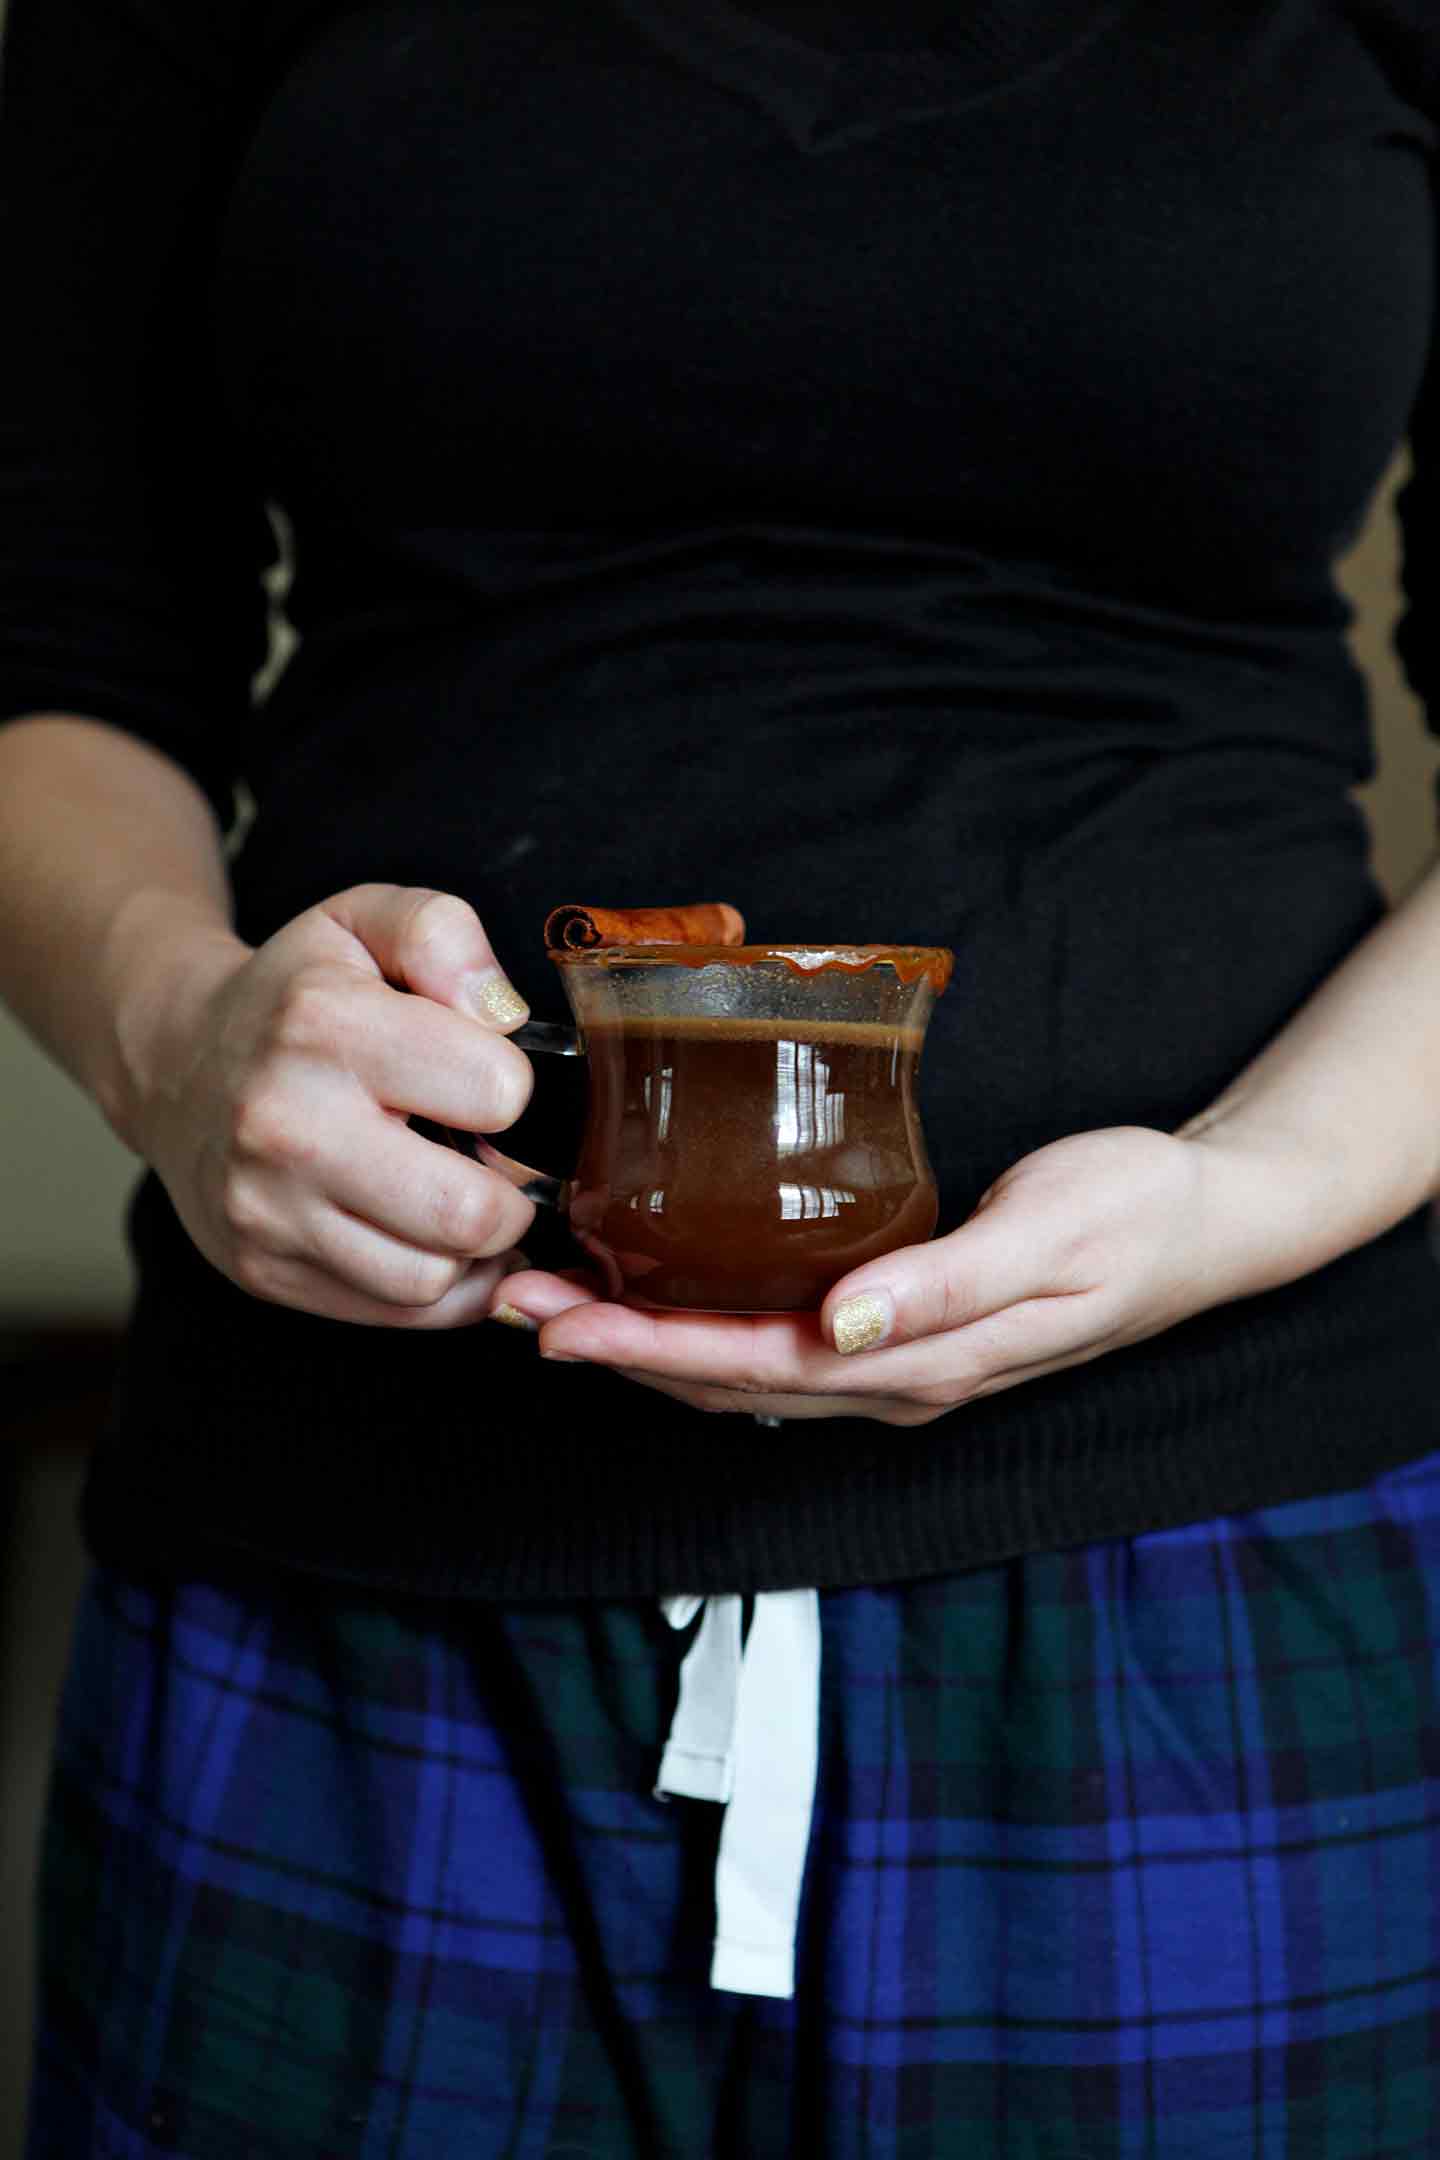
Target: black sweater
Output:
[{"x": 878, "y": 465}]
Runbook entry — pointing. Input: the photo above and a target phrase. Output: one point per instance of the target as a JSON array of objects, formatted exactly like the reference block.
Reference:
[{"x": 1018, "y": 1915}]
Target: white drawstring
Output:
[{"x": 746, "y": 1734}]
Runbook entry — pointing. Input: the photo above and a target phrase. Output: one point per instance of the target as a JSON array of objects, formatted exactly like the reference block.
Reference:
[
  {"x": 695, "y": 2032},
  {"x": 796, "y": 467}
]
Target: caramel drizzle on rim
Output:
[{"x": 910, "y": 962}]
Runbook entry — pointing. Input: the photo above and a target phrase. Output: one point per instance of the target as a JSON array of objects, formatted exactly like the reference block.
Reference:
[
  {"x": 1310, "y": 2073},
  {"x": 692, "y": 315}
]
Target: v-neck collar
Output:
[{"x": 823, "y": 100}]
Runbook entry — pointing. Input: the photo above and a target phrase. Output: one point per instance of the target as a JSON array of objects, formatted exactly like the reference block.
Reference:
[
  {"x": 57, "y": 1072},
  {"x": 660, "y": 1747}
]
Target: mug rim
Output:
[{"x": 910, "y": 962}]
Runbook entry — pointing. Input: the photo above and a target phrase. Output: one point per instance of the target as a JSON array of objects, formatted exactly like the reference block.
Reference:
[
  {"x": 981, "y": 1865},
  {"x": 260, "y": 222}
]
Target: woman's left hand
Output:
[{"x": 1088, "y": 1244}]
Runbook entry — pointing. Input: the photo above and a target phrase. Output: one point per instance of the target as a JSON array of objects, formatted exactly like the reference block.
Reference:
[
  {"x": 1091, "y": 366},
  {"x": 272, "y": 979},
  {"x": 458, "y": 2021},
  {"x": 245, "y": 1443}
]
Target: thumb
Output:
[
  {"x": 431, "y": 942},
  {"x": 988, "y": 1263}
]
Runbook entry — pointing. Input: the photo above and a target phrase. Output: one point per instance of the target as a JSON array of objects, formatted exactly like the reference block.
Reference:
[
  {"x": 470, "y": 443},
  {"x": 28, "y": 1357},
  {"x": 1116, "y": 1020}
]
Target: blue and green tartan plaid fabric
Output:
[{"x": 1127, "y": 1852}]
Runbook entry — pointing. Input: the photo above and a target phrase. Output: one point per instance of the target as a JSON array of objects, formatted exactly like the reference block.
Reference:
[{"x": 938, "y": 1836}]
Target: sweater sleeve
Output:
[
  {"x": 132, "y": 540},
  {"x": 1406, "y": 36}
]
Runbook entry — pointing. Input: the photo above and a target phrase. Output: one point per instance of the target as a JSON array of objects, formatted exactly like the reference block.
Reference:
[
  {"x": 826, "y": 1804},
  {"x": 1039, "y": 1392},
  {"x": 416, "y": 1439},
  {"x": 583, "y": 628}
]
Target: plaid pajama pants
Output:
[{"x": 1126, "y": 1852}]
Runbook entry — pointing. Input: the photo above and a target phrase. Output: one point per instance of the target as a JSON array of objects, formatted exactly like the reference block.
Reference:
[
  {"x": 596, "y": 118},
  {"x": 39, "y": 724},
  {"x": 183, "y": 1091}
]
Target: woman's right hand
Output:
[{"x": 275, "y": 1084}]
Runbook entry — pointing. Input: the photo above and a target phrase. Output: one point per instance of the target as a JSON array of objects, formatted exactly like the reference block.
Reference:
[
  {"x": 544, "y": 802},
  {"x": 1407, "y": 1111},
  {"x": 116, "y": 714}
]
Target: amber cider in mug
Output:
[{"x": 752, "y": 1132}]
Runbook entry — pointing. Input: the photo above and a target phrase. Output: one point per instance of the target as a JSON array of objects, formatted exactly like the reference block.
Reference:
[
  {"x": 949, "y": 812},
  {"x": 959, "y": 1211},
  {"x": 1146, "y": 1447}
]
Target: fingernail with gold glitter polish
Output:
[
  {"x": 511, "y": 1316},
  {"x": 860, "y": 1323},
  {"x": 491, "y": 998}
]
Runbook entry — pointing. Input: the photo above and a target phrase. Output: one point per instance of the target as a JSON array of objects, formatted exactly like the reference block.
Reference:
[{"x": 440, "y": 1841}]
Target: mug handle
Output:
[{"x": 537, "y": 1185}]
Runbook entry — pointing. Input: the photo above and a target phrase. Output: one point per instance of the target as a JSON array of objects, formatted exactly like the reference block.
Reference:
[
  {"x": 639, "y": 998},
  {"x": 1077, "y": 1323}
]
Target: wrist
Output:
[
  {"x": 1282, "y": 1200},
  {"x": 164, "y": 957}
]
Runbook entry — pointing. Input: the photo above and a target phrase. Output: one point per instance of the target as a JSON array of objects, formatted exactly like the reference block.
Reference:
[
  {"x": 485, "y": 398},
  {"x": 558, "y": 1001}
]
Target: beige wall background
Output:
[{"x": 1400, "y": 801}]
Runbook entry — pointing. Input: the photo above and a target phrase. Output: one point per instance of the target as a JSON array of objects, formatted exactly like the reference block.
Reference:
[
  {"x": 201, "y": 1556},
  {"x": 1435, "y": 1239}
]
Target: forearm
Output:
[
  {"x": 1333, "y": 1131},
  {"x": 114, "y": 900}
]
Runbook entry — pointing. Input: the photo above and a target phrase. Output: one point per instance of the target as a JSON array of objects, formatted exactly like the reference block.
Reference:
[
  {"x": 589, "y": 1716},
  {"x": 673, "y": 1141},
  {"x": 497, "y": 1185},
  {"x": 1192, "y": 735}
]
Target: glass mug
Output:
[{"x": 752, "y": 1133}]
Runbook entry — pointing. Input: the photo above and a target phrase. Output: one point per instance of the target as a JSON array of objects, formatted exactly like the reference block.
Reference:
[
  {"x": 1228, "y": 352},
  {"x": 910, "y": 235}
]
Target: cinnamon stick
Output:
[{"x": 572, "y": 928}]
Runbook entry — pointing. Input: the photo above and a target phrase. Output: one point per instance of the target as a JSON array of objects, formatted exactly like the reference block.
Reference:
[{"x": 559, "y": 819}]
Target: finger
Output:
[
  {"x": 426, "y": 1195},
  {"x": 780, "y": 1353},
  {"x": 535, "y": 1296},
  {"x": 418, "y": 1057},
  {"x": 305, "y": 1287},
  {"x": 376, "y": 1169},
  {"x": 785, "y": 1354},
  {"x": 279, "y": 1222},
  {"x": 433, "y": 942},
  {"x": 388, "y": 1269},
  {"x": 407, "y": 1053},
  {"x": 992, "y": 1262},
  {"x": 790, "y": 1409},
  {"x": 931, "y": 1391}
]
